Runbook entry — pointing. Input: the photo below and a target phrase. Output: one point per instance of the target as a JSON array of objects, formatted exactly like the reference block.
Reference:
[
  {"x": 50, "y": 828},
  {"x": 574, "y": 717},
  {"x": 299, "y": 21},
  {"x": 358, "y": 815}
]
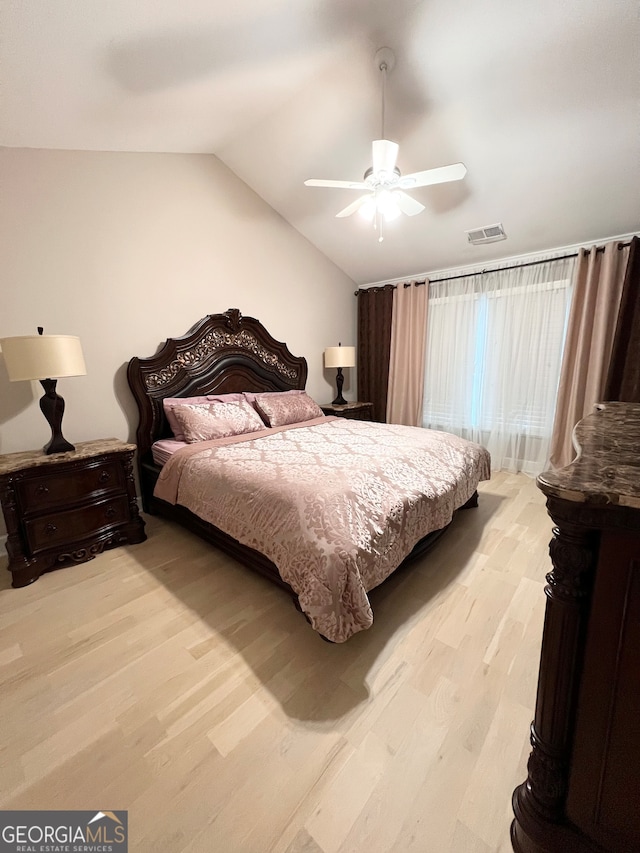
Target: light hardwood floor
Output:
[{"x": 167, "y": 680}]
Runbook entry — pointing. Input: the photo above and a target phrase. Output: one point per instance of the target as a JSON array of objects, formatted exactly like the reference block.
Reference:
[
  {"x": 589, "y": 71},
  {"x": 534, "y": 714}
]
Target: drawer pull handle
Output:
[
  {"x": 104, "y": 477},
  {"x": 50, "y": 529},
  {"x": 42, "y": 489},
  {"x": 111, "y": 512}
]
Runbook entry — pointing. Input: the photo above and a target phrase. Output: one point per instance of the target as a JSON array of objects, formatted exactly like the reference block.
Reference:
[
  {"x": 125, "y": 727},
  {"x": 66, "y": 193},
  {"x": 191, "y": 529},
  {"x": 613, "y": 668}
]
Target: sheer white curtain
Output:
[{"x": 494, "y": 349}]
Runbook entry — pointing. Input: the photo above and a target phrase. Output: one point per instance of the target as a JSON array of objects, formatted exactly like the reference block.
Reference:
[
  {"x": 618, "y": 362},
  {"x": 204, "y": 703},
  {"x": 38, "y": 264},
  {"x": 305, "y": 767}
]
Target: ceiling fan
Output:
[{"x": 386, "y": 198}]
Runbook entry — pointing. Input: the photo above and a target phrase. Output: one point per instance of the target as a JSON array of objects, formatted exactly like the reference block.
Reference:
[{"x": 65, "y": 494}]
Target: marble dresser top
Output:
[
  {"x": 10, "y": 462},
  {"x": 607, "y": 470}
]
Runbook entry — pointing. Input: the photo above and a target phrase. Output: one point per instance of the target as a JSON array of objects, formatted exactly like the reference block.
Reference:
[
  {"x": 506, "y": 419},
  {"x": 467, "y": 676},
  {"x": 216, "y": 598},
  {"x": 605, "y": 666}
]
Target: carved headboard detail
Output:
[{"x": 221, "y": 353}]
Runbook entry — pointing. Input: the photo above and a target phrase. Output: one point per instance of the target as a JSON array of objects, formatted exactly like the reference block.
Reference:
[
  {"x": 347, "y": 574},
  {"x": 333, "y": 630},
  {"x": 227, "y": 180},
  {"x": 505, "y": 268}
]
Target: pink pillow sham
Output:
[
  {"x": 208, "y": 421},
  {"x": 252, "y": 396},
  {"x": 170, "y": 403},
  {"x": 282, "y": 409}
]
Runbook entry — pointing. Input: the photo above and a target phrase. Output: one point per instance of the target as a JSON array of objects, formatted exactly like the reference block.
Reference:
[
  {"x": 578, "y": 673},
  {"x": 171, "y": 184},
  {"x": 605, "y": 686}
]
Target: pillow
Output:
[
  {"x": 282, "y": 409},
  {"x": 216, "y": 420},
  {"x": 252, "y": 396},
  {"x": 169, "y": 404}
]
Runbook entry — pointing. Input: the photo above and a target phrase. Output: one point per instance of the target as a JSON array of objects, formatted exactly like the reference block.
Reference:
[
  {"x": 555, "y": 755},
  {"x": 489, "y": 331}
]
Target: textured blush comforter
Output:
[{"x": 336, "y": 504}]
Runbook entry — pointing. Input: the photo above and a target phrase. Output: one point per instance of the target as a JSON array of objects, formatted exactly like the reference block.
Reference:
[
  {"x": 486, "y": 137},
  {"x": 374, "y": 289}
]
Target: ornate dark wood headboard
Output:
[{"x": 221, "y": 353}]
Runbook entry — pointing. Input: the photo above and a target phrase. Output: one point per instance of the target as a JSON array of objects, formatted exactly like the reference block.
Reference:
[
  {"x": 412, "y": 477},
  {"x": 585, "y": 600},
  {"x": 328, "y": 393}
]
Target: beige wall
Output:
[{"x": 126, "y": 249}]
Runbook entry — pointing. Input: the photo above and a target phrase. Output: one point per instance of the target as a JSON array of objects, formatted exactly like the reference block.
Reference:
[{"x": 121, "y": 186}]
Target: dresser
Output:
[
  {"x": 67, "y": 507},
  {"x": 355, "y": 411},
  {"x": 582, "y": 792}
]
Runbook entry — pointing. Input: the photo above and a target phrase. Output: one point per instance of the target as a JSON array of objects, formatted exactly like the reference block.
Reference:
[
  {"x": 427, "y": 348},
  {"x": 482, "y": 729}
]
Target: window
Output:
[{"x": 494, "y": 350}]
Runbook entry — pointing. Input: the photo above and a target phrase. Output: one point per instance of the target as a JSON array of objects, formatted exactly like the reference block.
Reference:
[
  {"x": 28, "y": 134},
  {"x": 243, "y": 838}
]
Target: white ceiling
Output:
[{"x": 541, "y": 101}]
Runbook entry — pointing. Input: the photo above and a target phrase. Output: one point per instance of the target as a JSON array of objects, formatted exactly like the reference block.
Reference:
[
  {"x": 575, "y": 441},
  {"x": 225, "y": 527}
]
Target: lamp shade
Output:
[
  {"x": 340, "y": 357},
  {"x": 43, "y": 357}
]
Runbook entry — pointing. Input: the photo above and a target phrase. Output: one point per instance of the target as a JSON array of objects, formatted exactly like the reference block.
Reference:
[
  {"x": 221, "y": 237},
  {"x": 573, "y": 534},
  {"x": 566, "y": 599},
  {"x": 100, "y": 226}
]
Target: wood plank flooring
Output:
[{"x": 167, "y": 680}]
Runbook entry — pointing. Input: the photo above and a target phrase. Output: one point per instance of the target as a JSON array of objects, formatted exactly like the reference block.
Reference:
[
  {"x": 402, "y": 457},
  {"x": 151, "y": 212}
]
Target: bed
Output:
[{"x": 327, "y": 534}]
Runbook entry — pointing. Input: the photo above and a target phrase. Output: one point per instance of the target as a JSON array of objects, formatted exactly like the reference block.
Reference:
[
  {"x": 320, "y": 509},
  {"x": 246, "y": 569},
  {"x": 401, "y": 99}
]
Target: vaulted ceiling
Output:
[{"x": 541, "y": 101}]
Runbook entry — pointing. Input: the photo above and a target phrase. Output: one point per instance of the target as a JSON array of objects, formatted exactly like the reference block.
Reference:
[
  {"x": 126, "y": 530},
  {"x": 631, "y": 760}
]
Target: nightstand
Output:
[
  {"x": 355, "y": 411},
  {"x": 66, "y": 508}
]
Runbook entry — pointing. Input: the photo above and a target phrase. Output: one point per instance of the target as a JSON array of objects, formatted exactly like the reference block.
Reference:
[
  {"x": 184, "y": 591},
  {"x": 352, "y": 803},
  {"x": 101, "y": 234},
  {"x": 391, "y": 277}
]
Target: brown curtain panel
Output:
[
  {"x": 375, "y": 310},
  {"x": 587, "y": 352},
  {"x": 408, "y": 341},
  {"x": 623, "y": 381}
]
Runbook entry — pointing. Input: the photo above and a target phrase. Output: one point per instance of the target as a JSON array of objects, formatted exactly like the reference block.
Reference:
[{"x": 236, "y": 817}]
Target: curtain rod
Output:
[
  {"x": 389, "y": 286},
  {"x": 495, "y": 269}
]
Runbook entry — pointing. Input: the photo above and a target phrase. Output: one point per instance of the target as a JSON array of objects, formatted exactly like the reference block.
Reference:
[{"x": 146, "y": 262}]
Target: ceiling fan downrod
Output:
[
  {"x": 385, "y": 61},
  {"x": 383, "y": 70}
]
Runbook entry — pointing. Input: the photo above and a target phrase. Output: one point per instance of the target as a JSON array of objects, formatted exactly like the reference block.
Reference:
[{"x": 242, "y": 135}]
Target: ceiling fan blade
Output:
[
  {"x": 351, "y": 208},
  {"x": 348, "y": 185},
  {"x": 455, "y": 172},
  {"x": 407, "y": 204},
  {"x": 384, "y": 155}
]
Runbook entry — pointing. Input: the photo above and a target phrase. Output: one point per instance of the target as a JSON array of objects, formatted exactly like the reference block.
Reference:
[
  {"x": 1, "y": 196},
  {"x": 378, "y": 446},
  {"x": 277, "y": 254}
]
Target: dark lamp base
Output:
[
  {"x": 58, "y": 444},
  {"x": 52, "y": 406},
  {"x": 339, "y": 401}
]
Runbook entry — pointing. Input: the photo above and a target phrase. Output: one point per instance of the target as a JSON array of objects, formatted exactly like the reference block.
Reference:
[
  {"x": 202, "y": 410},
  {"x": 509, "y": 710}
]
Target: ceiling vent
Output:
[{"x": 487, "y": 234}]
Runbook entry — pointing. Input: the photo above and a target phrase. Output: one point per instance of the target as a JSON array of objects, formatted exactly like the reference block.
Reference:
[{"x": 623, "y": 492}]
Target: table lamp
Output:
[
  {"x": 47, "y": 358},
  {"x": 339, "y": 357}
]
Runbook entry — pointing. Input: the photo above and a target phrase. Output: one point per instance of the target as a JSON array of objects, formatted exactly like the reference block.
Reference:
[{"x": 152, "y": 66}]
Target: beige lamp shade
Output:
[
  {"x": 340, "y": 357},
  {"x": 43, "y": 357}
]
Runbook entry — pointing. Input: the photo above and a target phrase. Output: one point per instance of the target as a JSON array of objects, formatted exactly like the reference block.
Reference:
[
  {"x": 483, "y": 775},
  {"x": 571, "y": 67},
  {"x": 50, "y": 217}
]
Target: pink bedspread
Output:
[{"x": 336, "y": 505}]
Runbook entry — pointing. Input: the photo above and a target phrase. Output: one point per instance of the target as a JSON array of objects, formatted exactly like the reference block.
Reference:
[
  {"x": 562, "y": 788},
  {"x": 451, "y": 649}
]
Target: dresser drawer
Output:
[
  {"x": 54, "y": 529},
  {"x": 38, "y": 494}
]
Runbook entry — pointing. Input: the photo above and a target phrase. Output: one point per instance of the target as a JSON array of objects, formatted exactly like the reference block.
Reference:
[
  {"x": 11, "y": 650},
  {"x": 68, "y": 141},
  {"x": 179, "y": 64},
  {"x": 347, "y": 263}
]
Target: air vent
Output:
[{"x": 487, "y": 234}]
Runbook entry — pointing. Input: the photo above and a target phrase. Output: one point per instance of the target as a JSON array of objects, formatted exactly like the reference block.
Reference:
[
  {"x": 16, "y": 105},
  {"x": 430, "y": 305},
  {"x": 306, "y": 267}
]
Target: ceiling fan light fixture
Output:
[
  {"x": 368, "y": 208},
  {"x": 387, "y": 205},
  {"x": 381, "y": 205}
]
